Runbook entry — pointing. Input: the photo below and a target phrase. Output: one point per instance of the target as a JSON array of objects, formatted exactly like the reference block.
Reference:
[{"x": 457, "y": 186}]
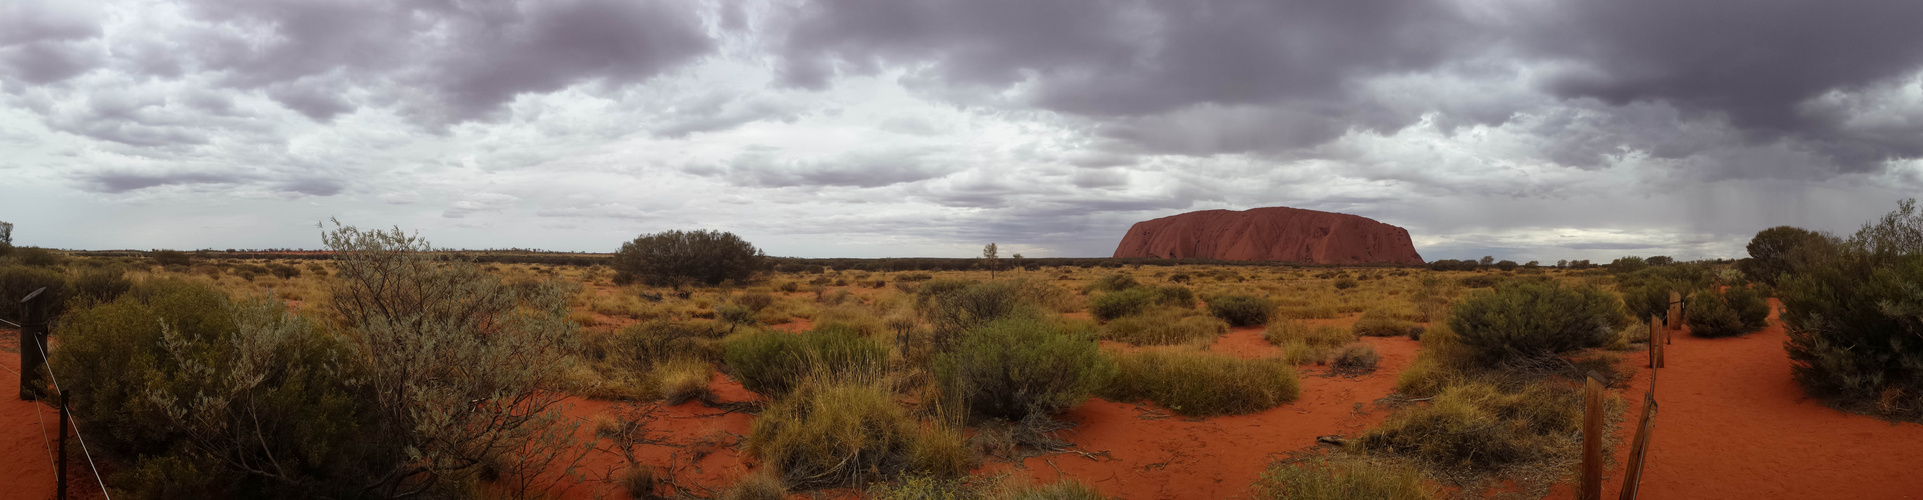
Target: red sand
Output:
[
  {"x": 1732, "y": 423},
  {"x": 1146, "y": 452},
  {"x": 1272, "y": 233}
]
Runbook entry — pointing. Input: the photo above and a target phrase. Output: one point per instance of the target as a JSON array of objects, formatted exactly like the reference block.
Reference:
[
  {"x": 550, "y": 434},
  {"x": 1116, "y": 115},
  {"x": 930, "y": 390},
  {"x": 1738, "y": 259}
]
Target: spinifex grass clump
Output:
[
  {"x": 1379, "y": 323},
  {"x": 1479, "y": 427},
  {"x": 1302, "y": 344},
  {"x": 836, "y": 431},
  {"x": 1164, "y": 326},
  {"x": 1022, "y": 365},
  {"x": 1198, "y": 383},
  {"x": 1340, "y": 478},
  {"x": 1726, "y": 313},
  {"x": 1138, "y": 299},
  {"x": 772, "y": 362},
  {"x": 1241, "y": 310}
]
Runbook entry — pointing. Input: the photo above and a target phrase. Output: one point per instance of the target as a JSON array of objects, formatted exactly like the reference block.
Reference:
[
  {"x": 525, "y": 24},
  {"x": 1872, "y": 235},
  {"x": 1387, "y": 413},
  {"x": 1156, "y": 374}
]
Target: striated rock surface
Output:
[{"x": 1273, "y": 233}]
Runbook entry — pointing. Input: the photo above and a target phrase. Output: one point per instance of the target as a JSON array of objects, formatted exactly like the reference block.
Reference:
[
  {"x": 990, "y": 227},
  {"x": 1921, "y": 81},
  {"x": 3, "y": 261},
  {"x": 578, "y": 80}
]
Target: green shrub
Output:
[
  {"x": 1779, "y": 250},
  {"x": 1479, "y": 427},
  {"x": 1121, "y": 303},
  {"x": 678, "y": 258},
  {"x": 755, "y": 301},
  {"x": 242, "y": 399},
  {"x": 1526, "y": 319},
  {"x": 1736, "y": 311},
  {"x": 1022, "y": 365},
  {"x": 773, "y": 362},
  {"x": 913, "y": 277},
  {"x": 1175, "y": 296},
  {"x": 99, "y": 284},
  {"x": 1377, "y": 323},
  {"x": 1346, "y": 283},
  {"x": 1480, "y": 280},
  {"x": 18, "y": 281},
  {"x": 1112, "y": 283},
  {"x": 1351, "y": 478},
  {"x": 1241, "y": 310},
  {"x": 1197, "y": 383},
  {"x": 1651, "y": 298},
  {"x": 172, "y": 258},
  {"x": 952, "y": 307},
  {"x": 1164, "y": 326},
  {"x": 841, "y": 433},
  {"x": 1850, "y": 309},
  {"x": 37, "y": 257}
]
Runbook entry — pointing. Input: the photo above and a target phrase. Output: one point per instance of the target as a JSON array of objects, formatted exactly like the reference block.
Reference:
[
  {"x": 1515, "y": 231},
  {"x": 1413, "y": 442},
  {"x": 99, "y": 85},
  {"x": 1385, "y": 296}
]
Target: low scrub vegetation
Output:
[
  {"x": 1734, "y": 311},
  {"x": 834, "y": 432},
  {"x": 1379, "y": 323},
  {"x": 1164, "y": 326},
  {"x": 1526, "y": 320},
  {"x": 1022, "y": 365},
  {"x": 1850, "y": 308},
  {"x": 1198, "y": 383},
  {"x": 772, "y": 362},
  {"x": 1241, "y": 310},
  {"x": 1479, "y": 427},
  {"x": 1341, "y": 478},
  {"x": 1302, "y": 344}
]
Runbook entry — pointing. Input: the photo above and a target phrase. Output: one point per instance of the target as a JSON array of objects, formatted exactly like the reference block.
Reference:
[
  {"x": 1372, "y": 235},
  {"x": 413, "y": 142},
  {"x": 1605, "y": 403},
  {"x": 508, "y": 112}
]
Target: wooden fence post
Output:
[
  {"x": 1675, "y": 310},
  {"x": 33, "y": 344},
  {"x": 1592, "y": 429},
  {"x": 1639, "y": 452},
  {"x": 60, "y": 473}
]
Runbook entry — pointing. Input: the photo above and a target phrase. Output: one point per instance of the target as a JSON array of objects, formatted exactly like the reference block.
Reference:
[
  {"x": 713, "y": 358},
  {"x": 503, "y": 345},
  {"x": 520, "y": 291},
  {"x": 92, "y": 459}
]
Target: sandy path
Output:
[
  {"x": 1732, "y": 423},
  {"x": 26, "y": 471}
]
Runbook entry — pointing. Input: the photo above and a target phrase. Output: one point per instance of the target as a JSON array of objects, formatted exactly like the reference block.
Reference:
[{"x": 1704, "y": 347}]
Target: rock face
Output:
[{"x": 1273, "y": 233}]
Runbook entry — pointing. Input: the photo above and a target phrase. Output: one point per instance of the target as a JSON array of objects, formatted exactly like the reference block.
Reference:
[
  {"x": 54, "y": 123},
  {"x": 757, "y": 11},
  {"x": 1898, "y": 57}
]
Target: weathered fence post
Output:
[
  {"x": 60, "y": 472},
  {"x": 1592, "y": 429},
  {"x": 1675, "y": 310},
  {"x": 33, "y": 344},
  {"x": 1639, "y": 452}
]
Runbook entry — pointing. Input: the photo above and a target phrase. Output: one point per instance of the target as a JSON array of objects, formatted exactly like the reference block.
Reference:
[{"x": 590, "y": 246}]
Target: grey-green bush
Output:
[
  {"x": 1241, "y": 310},
  {"x": 1525, "y": 319},
  {"x": 1736, "y": 311},
  {"x": 1022, "y": 365}
]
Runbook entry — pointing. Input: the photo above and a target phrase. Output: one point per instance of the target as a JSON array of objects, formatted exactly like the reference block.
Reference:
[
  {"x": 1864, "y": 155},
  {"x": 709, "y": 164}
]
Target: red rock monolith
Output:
[{"x": 1272, "y": 233}]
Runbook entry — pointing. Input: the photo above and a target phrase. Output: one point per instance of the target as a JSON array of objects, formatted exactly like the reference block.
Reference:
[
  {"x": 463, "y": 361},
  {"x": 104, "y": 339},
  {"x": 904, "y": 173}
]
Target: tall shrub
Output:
[
  {"x": 1526, "y": 319},
  {"x": 1719, "y": 313},
  {"x": 1854, "y": 317},
  {"x": 679, "y": 258},
  {"x": 459, "y": 362}
]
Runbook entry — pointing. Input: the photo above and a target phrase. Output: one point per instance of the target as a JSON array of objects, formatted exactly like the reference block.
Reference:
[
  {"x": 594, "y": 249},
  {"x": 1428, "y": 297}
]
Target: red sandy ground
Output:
[{"x": 1731, "y": 422}]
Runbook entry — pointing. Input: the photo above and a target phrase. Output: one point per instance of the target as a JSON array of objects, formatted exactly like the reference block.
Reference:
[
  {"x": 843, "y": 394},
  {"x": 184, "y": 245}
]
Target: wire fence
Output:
[{"x": 37, "y": 339}]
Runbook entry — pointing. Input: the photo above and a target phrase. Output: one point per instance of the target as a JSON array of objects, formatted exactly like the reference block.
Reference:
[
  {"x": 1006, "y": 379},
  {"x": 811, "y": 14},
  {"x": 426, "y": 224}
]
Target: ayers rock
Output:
[{"x": 1273, "y": 233}]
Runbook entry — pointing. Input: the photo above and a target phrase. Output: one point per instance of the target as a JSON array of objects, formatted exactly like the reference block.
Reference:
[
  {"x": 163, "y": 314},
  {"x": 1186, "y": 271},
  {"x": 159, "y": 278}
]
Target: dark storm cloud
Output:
[
  {"x": 1101, "y": 57},
  {"x": 442, "y": 62},
  {"x": 1753, "y": 62},
  {"x": 121, "y": 181}
]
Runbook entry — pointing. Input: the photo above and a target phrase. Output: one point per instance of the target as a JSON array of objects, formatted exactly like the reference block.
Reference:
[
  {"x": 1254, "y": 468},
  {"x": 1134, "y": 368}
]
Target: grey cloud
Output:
[
  {"x": 48, "y": 61},
  {"x": 864, "y": 169},
  {"x": 121, "y": 181},
  {"x": 1753, "y": 62}
]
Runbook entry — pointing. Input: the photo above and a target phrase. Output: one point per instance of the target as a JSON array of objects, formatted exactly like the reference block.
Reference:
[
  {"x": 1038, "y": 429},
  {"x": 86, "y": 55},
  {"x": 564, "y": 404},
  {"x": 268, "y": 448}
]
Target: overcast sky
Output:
[{"x": 1526, "y": 129}]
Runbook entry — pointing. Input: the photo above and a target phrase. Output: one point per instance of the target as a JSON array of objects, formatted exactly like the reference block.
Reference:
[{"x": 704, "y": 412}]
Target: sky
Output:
[{"x": 1523, "y": 129}]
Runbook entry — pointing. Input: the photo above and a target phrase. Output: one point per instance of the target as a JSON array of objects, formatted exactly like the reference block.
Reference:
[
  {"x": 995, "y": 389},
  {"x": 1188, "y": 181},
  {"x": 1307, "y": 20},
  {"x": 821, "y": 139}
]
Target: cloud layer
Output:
[{"x": 1531, "y": 129}]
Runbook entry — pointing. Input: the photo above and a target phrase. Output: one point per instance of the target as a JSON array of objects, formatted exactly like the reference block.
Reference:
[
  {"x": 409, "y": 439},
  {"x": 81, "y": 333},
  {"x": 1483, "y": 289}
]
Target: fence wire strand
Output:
[{"x": 47, "y": 362}]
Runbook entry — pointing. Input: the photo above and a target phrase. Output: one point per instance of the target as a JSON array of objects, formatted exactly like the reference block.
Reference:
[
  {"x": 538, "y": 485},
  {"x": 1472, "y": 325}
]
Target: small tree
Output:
[
  {"x": 1778, "y": 250},
  {"x": 990, "y": 257},
  {"x": 678, "y": 258},
  {"x": 460, "y": 365},
  {"x": 6, "y": 237},
  {"x": 1507, "y": 265},
  {"x": 1488, "y": 260}
]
